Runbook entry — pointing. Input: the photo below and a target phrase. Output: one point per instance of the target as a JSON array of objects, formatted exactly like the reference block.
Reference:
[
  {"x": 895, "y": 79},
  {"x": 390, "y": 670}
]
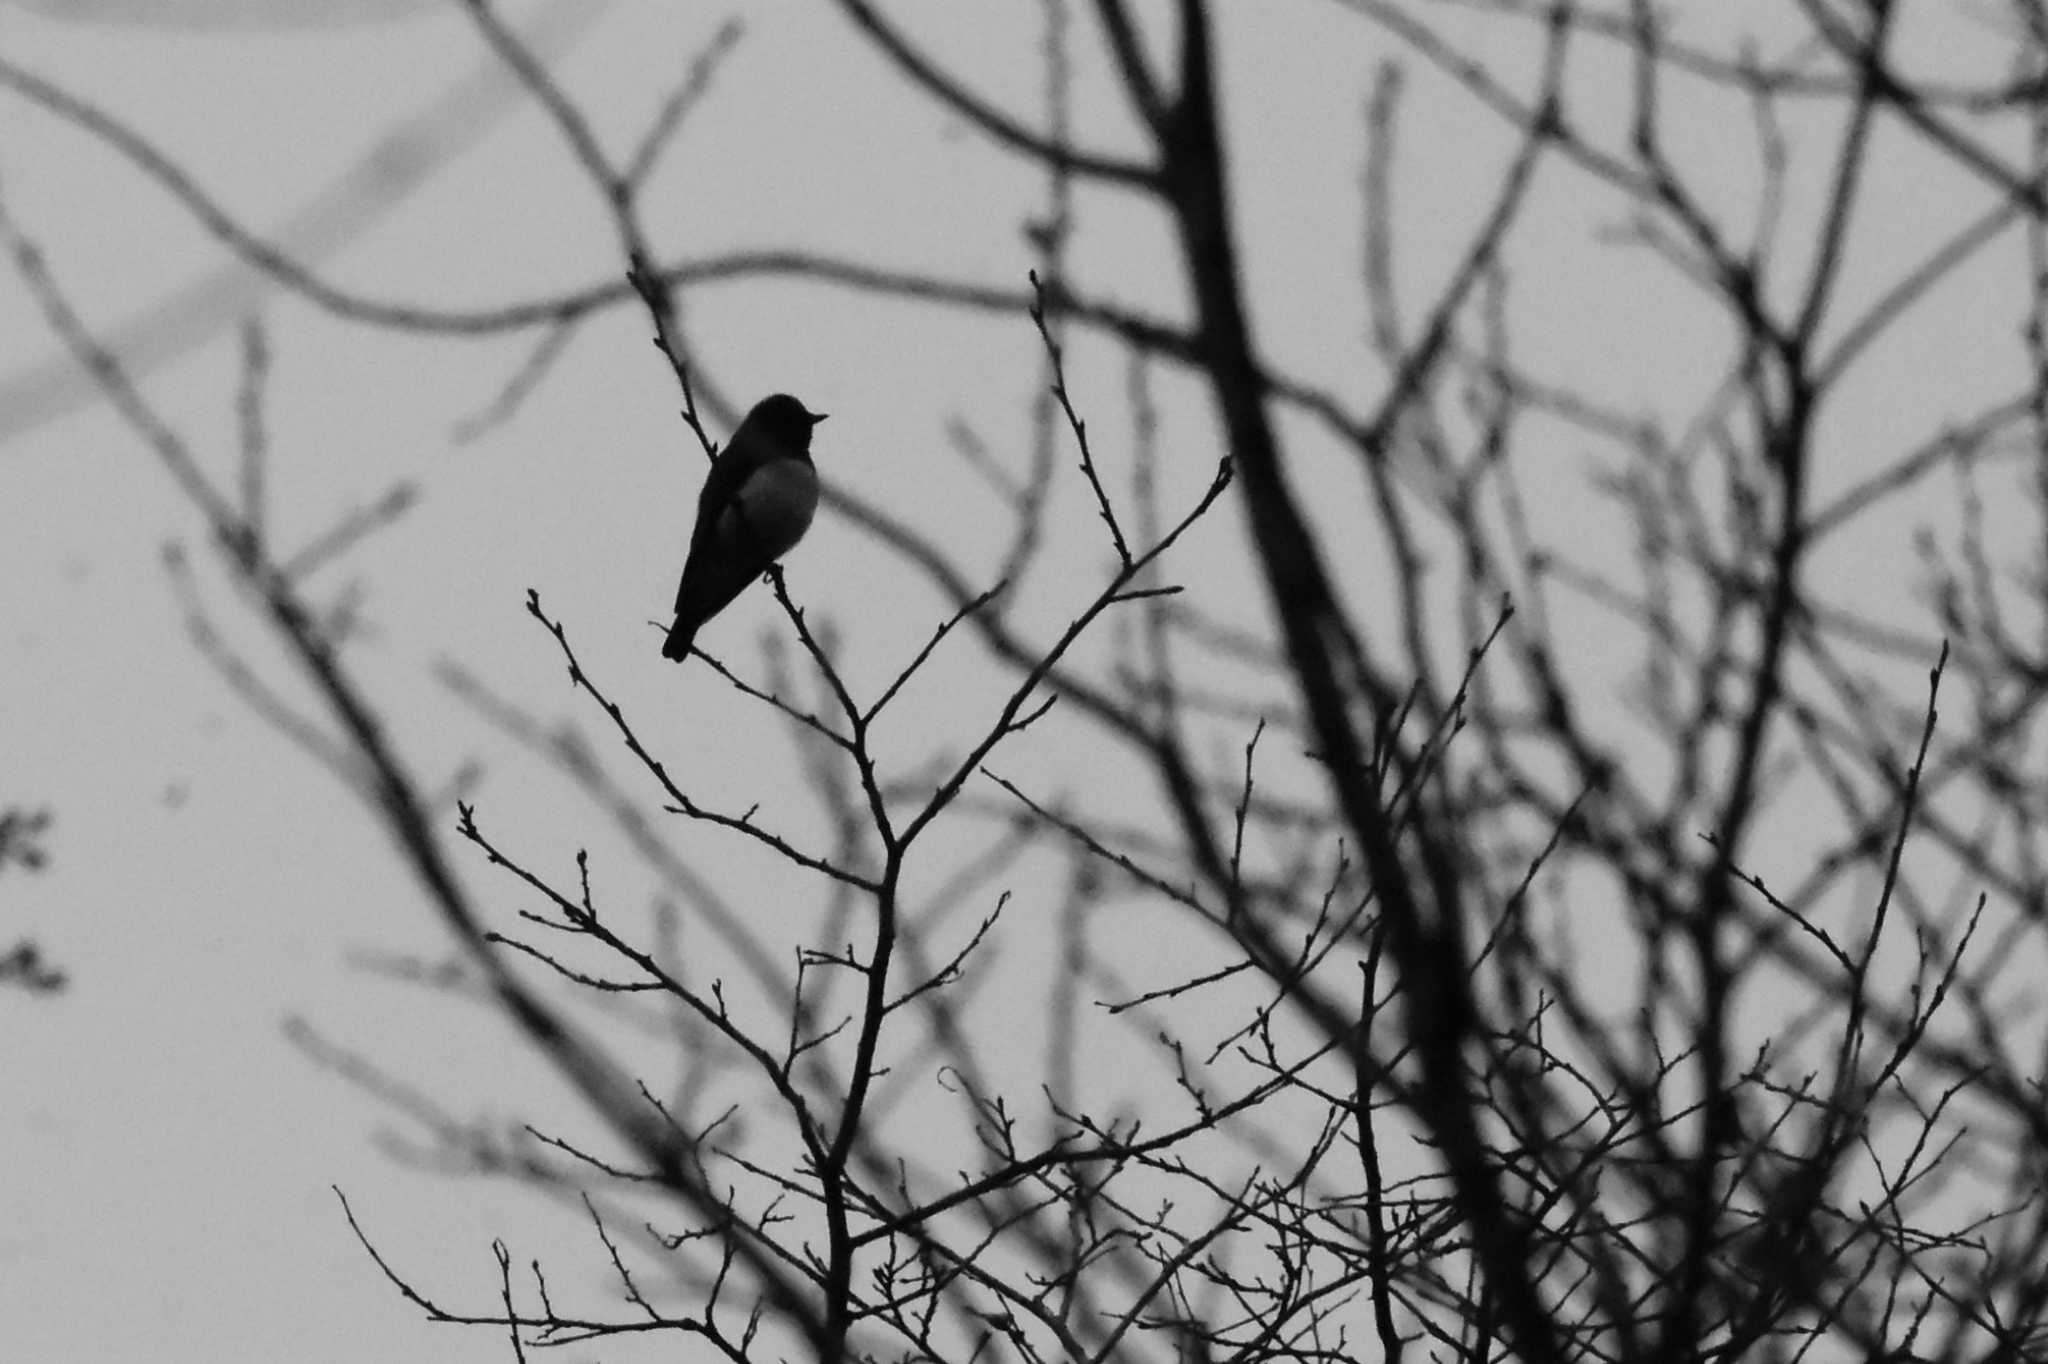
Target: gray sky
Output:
[{"x": 166, "y": 1156}]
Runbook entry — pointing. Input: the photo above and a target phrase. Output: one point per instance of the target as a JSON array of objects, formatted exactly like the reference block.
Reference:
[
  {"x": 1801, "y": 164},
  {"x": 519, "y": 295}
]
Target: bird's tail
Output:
[
  {"x": 702, "y": 596},
  {"x": 681, "y": 636}
]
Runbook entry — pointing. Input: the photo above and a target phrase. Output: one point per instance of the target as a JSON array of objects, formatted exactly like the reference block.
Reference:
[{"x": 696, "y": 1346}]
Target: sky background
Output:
[{"x": 167, "y": 1155}]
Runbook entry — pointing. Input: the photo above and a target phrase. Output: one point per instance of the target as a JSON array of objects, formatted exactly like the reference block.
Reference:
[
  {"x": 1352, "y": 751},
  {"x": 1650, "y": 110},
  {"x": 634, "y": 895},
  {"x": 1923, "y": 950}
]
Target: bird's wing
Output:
[{"x": 734, "y": 465}]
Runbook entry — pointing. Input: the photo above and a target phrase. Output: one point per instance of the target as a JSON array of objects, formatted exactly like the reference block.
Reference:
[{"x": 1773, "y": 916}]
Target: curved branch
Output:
[{"x": 929, "y": 76}]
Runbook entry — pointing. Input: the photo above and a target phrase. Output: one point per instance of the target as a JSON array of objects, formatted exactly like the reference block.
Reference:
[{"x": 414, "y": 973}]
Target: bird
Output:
[{"x": 758, "y": 501}]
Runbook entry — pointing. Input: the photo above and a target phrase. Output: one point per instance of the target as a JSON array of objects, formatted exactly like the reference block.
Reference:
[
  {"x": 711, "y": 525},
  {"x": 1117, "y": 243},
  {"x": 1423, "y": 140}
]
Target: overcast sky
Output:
[{"x": 166, "y": 1155}]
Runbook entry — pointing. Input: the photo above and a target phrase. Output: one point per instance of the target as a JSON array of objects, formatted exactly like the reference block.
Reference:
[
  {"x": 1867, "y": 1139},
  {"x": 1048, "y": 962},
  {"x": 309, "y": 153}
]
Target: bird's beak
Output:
[{"x": 817, "y": 417}]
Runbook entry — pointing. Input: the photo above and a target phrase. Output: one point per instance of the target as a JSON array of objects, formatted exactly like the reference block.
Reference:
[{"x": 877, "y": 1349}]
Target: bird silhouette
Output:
[{"x": 758, "y": 501}]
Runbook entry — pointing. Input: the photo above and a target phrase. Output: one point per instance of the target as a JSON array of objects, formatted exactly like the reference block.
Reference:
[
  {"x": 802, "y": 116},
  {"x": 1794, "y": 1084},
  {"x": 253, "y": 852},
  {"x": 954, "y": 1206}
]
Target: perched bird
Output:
[{"x": 757, "y": 502}]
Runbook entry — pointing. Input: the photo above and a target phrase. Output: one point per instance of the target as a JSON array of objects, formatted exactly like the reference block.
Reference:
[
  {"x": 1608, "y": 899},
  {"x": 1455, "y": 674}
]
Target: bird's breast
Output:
[{"x": 775, "y": 507}]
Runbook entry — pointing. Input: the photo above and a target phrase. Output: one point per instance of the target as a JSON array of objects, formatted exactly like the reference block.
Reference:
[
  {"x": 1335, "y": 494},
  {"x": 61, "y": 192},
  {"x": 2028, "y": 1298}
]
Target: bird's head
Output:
[{"x": 785, "y": 421}]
